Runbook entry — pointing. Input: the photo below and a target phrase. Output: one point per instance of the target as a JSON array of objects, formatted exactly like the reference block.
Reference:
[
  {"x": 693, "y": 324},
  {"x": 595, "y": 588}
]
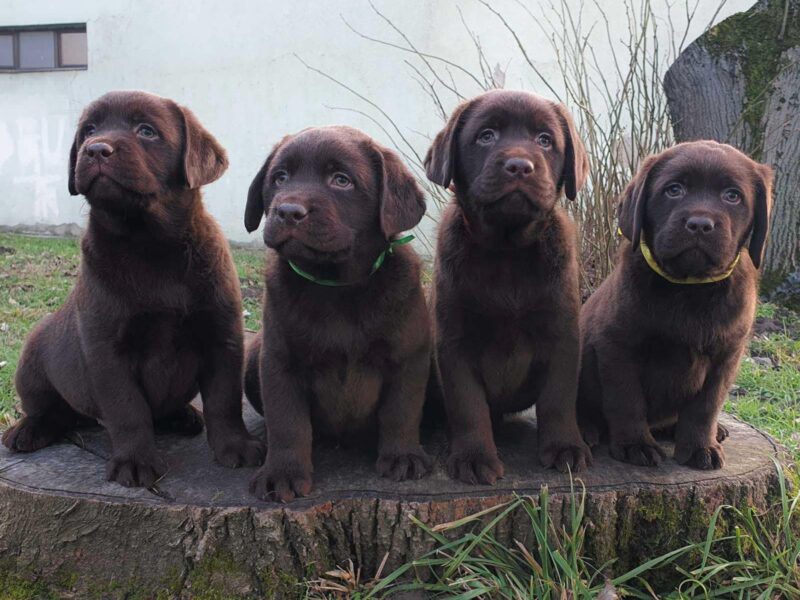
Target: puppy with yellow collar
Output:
[{"x": 662, "y": 337}]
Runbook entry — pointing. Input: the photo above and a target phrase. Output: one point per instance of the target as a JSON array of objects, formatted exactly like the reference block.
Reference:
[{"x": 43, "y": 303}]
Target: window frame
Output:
[{"x": 56, "y": 30}]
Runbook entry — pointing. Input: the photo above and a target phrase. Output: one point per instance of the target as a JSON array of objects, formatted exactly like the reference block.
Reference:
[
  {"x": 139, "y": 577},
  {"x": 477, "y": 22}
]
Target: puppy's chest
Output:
[
  {"x": 703, "y": 327},
  {"x": 344, "y": 364},
  {"x": 164, "y": 334},
  {"x": 507, "y": 291},
  {"x": 171, "y": 286},
  {"x": 345, "y": 395}
]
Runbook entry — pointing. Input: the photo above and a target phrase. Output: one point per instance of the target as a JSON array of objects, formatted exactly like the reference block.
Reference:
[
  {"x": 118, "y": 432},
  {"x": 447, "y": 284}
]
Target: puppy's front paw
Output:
[
  {"x": 240, "y": 451},
  {"x": 645, "y": 453},
  {"x": 140, "y": 469},
  {"x": 283, "y": 481},
  {"x": 400, "y": 466},
  {"x": 474, "y": 465},
  {"x": 707, "y": 459},
  {"x": 565, "y": 456},
  {"x": 29, "y": 434}
]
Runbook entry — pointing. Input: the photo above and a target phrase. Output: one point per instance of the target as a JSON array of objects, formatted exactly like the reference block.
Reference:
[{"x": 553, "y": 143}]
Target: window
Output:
[{"x": 43, "y": 48}]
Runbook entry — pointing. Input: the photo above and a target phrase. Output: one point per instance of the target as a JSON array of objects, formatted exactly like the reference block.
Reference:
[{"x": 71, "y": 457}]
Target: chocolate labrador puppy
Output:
[
  {"x": 506, "y": 296},
  {"x": 663, "y": 335},
  {"x": 344, "y": 349},
  {"x": 155, "y": 315}
]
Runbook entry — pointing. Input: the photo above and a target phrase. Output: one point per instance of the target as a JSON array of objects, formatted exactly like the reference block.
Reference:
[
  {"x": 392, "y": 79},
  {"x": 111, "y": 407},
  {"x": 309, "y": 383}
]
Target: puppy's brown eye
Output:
[
  {"x": 545, "y": 140},
  {"x": 146, "y": 131},
  {"x": 89, "y": 130},
  {"x": 487, "y": 136},
  {"x": 280, "y": 178},
  {"x": 341, "y": 180},
  {"x": 675, "y": 190},
  {"x": 732, "y": 196}
]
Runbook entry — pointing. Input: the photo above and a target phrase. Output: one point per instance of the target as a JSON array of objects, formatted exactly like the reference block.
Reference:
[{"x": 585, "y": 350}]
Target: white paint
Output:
[{"x": 233, "y": 63}]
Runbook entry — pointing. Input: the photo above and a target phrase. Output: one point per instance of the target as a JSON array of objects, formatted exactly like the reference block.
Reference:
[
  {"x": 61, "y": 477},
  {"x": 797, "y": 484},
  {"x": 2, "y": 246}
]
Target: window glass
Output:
[
  {"x": 36, "y": 49},
  {"x": 6, "y": 50},
  {"x": 73, "y": 49}
]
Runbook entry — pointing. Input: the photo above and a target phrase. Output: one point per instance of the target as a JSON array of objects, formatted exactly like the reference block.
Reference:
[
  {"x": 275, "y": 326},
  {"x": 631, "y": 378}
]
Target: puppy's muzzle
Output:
[
  {"x": 99, "y": 151},
  {"x": 290, "y": 213},
  {"x": 518, "y": 168},
  {"x": 700, "y": 225}
]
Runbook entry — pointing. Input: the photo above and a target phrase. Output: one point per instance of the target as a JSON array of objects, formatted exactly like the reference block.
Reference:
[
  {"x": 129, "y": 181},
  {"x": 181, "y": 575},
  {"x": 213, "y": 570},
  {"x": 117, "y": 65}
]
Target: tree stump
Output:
[
  {"x": 739, "y": 83},
  {"x": 198, "y": 530}
]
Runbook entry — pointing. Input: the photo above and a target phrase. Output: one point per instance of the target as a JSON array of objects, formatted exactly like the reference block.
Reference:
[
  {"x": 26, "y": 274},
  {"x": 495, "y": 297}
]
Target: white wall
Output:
[{"x": 233, "y": 63}]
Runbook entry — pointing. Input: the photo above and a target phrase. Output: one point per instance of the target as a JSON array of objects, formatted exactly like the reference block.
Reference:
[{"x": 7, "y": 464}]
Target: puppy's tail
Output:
[{"x": 252, "y": 373}]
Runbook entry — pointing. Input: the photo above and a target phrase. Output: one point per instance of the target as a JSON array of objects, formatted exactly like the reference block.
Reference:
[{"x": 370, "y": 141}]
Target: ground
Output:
[{"x": 37, "y": 273}]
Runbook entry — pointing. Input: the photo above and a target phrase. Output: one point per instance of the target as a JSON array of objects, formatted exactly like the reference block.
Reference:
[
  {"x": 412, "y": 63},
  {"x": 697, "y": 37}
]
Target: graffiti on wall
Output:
[{"x": 33, "y": 153}]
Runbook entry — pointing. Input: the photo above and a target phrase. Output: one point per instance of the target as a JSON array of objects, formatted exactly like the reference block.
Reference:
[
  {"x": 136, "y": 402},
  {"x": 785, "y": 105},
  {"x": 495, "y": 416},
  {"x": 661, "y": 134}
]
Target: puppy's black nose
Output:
[
  {"x": 293, "y": 213},
  {"x": 518, "y": 167},
  {"x": 99, "y": 149},
  {"x": 700, "y": 225}
]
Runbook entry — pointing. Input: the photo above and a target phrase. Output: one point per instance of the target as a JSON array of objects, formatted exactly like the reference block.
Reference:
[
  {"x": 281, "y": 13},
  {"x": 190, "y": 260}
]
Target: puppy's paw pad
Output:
[
  {"x": 135, "y": 471},
  {"x": 574, "y": 457},
  {"x": 403, "y": 466},
  {"x": 643, "y": 454},
  {"x": 474, "y": 467},
  {"x": 283, "y": 484},
  {"x": 707, "y": 459},
  {"x": 722, "y": 433},
  {"x": 28, "y": 434},
  {"x": 242, "y": 451}
]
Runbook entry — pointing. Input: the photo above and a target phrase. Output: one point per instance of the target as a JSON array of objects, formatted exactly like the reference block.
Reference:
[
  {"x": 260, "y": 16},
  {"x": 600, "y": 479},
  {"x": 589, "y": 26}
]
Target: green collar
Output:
[{"x": 375, "y": 266}]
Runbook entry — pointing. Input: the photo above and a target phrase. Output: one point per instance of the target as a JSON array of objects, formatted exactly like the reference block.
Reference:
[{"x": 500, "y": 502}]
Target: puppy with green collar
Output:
[{"x": 344, "y": 350}]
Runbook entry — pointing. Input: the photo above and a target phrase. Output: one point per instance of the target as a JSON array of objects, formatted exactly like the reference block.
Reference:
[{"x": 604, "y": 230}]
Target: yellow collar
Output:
[{"x": 651, "y": 262}]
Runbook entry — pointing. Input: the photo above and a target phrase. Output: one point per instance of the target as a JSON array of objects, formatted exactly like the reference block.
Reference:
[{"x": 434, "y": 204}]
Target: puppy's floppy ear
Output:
[
  {"x": 256, "y": 203},
  {"x": 204, "y": 160},
  {"x": 632, "y": 204},
  {"x": 402, "y": 200},
  {"x": 73, "y": 161},
  {"x": 441, "y": 158},
  {"x": 576, "y": 161},
  {"x": 761, "y": 213}
]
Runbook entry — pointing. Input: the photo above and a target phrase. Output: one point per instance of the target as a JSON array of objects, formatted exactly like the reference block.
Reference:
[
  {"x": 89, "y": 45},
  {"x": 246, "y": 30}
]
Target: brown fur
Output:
[
  {"x": 155, "y": 315},
  {"x": 343, "y": 362},
  {"x": 660, "y": 355},
  {"x": 506, "y": 297}
]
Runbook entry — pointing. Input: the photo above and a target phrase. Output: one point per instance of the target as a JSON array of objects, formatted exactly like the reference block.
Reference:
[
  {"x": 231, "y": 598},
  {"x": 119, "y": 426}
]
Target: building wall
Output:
[{"x": 235, "y": 64}]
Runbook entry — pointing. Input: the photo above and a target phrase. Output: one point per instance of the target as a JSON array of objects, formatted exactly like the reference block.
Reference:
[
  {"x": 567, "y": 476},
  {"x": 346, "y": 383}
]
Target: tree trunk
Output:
[
  {"x": 199, "y": 534},
  {"x": 739, "y": 83}
]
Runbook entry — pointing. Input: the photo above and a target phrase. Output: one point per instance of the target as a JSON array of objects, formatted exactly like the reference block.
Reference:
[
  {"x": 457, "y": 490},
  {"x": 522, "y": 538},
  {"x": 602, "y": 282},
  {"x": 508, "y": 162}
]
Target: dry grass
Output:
[{"x": 621, "y": 112}]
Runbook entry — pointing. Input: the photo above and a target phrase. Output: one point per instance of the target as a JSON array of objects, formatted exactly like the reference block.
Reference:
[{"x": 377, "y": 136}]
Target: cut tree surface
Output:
[{"x": 63, "y": 524}]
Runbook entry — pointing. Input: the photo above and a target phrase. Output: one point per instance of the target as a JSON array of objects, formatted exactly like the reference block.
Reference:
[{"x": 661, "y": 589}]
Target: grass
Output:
[
  {"x": 746, "y": 554},
  {"x": 36, "y": 274},
  {"x": 767, "y": 392},
  {"x": 250, "y": 266}
]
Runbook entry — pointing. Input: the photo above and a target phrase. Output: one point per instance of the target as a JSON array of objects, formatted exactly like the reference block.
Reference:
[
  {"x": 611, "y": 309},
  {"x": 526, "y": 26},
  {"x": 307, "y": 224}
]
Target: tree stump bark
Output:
[
  {"x": 739, "y": 83},
  {"x": 200, "y": 532}
]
